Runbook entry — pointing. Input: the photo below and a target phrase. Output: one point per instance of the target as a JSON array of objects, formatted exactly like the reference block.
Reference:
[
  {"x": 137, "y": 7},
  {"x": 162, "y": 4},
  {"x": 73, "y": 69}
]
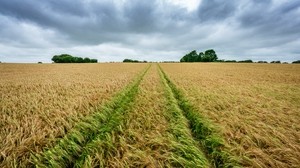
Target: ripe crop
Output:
[
  {"x": 256, "y": 107},
  {"x": 149, "y": 115},
  {"x": 39, "y": 103}
]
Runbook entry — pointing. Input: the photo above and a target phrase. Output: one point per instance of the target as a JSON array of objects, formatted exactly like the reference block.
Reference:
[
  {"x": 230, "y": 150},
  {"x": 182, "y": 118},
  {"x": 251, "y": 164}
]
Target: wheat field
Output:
[
  {"x": 255, "y": 106},
  {"x": 41, "y": 102},
  {"x": 150, "y": 115}
]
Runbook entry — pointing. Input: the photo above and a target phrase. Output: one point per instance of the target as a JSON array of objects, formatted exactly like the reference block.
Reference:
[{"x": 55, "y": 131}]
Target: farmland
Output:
[
  {"x": 150, "y": 115},
  {"x": 256, "y": 107},
  {"x": 40, "y": 103}
]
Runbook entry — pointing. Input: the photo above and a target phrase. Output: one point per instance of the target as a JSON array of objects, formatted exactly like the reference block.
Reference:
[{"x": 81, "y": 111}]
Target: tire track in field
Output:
[
  {"x": 154, "y": 135},
  {"x": 94, "y": 130},
  {"x": 141, "y": 143},
  {"x": 201, "y": 129},
  {"x": 186, "y": 150}
]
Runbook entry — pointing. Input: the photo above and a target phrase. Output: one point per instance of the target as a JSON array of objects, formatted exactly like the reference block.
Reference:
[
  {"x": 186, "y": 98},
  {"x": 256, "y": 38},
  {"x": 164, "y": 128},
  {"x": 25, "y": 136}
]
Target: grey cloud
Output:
[
  {"x": 96, "y": 21},
  {"x": 236, "y": 29},
  {"x": 215, "y": 10},
  {"x": 283, "y": 20},
  {"x": 141, "y": 15},
  {"x": 68, "y": 7}
]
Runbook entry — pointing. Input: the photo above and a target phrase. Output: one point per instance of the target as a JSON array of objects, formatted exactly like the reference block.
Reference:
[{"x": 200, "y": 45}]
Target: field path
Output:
[
  {"x": 205, "y": 115},
  {"x": 90, "y": 133},
  {"x": 202, "y": 129},
  {"x": 149, "y": 124},
  {"x": 155, "y": 134}
]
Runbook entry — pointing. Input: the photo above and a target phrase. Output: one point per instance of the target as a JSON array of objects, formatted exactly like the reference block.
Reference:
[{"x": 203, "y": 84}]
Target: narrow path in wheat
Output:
[
  {"x": 148, "y": 124},
  {"x": 153, "y": 136},
  {"x": 202, "y": 129},
  {"x": 79, "y": 144}
]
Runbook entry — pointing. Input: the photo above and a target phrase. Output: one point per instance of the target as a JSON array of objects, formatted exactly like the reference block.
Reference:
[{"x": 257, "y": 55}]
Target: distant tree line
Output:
[
  {"x": 246, "y": 61},
  {"x": 66, "y": 58},
  {"x": 134, "y": 61},
  {"x": 207, "y": 56},
  {"x": 296, "y": 62},
  {"x": 275, "y": 62},
  {"x": 211, "y": 56},
  {"x": 262, "y": 61},
  {"x": 250, "y": 61}
]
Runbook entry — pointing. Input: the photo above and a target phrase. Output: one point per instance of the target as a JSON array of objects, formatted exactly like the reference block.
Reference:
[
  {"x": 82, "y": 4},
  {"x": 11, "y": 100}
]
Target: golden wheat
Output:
[
  {"x": 141, "y": 142},
  {"x": 149, "y": 135},
  {"x": 41, "y": 102},
  {"x": 256, "y": 106},
  {"x": 50, "y": 111}
]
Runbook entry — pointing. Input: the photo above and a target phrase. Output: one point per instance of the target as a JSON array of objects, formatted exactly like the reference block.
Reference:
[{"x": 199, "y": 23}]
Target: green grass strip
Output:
[
  {"x": 186, "y": 151},
  {"x": 98, "y": 125},
  {"x": 203, "y": 130}
]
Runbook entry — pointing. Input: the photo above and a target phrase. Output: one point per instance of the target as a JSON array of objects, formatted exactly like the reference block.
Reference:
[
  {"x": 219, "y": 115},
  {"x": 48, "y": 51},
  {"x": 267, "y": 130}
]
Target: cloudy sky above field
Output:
[{"x": 156, "y": 30}]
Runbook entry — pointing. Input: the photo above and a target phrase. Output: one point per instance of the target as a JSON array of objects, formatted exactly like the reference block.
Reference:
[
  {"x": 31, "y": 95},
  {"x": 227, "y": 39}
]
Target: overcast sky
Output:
[{"x": 154, "y": 30}]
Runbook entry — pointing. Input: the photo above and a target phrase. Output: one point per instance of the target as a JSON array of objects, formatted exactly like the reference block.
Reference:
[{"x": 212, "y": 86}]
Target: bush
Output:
[
  {"x": 275, "y": 62},
  {"x": 246, "y": 61},
  {"x": 135, "y": 61},
  {"x": 207, "y": 56},
  {"x": 65, "y": 58},
  {"x": 230, "y": 60},
  {"x": 262, "y": 62}
]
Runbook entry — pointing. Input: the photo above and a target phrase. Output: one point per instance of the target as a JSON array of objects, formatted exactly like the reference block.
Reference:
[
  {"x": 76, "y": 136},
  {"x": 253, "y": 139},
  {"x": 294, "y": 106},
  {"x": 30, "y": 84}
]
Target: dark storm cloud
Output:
[
  {"x": 91, "y": 19},
  {"x": 141, "y": 16},
  {"x": 214, "y": 10},
  {"x": 250, "y": 29},
  {"x": 263, "y": 16}
]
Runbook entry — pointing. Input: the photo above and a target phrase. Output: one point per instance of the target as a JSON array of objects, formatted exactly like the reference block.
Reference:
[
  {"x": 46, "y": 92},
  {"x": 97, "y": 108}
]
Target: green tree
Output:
[
  {"x": 296, "y": 62},
  {"x": 130, "y": 60},
  {"x": 184, "y": 59},
  {"x": 211, "y": 55},
  {"x": 86, "y": 60},
  {"x": 94, "y": 61},
  {"x": 200, "y": 56},
  {"x": 208, "y": 56},
  {"x": 276, "y": 62},
  {"x": 65, "y": 58},
  {"x": 78, "y": 60},
  {"x": 193, "y": 56},
  {"x": 246, "y": 61}
]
